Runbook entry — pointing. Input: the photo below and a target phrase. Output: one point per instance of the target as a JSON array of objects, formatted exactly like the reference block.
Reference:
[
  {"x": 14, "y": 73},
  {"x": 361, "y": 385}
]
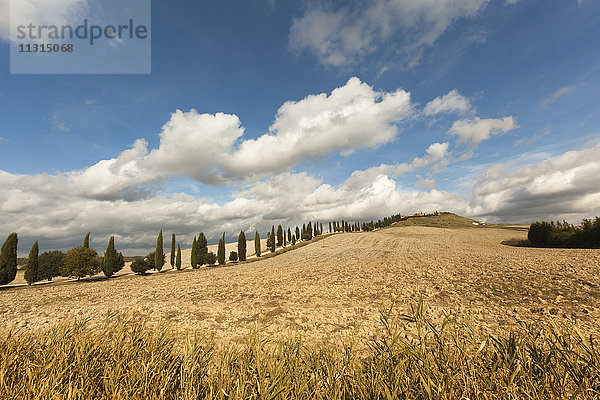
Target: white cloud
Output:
[
  {"x": 210, "y": 147},
  {"x": 434, "y": 153},
  {"x": 561, "y": 92},
  {"x": 451, "y": 103},
  {"x": 353, "y": 116},
  {"x": 476, "y": 130},
  {"x": 344, "y": 35},
  {"x": 565, "y": 186},
  {"x": 55, "y": 12}
]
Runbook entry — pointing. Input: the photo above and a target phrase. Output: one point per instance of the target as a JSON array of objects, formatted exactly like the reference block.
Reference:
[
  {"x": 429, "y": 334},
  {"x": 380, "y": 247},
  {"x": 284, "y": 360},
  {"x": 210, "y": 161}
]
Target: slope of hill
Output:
[{"x": 336, "y": 287}]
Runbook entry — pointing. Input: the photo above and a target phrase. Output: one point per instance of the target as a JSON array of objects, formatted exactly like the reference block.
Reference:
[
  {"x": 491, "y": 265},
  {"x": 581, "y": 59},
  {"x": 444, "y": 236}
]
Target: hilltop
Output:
[{"x": 441, "y": 220}]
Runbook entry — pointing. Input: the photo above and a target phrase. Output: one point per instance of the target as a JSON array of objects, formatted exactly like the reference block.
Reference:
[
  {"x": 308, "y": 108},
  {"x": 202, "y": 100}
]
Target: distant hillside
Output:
[{"x": 442, "y": 220}]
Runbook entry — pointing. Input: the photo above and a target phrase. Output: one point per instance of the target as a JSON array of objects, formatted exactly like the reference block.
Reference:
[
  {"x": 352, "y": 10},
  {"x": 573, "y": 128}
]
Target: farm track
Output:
[{"x": 337, "y": 286}]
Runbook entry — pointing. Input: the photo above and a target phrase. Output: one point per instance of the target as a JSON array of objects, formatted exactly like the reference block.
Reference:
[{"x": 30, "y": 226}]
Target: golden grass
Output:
[{"x": 127, "y": 358}]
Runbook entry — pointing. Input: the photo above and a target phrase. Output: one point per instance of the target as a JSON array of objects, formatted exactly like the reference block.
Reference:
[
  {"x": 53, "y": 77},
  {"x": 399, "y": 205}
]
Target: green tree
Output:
[
  {"x": 140, "y": 266},
  {"x": 271, "y": 243},
  {"x": 279, "y": 236},
  {"x": 86, "y": 241},
  {"x": 31, "y": 271},
  {"x": 178, "y": 258},
  {"x": 151, "y": 259},
  {"x": 221, "y": 251},
  {"x": 172, "y": 250},
  {"x": 111, "y": 259},
  {"x": 289, "y": 239},
  {"x": 49, "y": 264},
  {"x": 159, "y": 255},
  {"x": 211, "y": 258},
  {"x": 201, "y": 249},
  {"x": 233, "y": 256},
  {"x": 257, "y": 244},
  {"x": 293, "y": 240},
  {"x": 297, "y": 233},
  {"x": 194, "y": 254},
  {"x": 80, "y": 262},
  {"x": 8, "y": 259},
  {"x": 242, "y": 246},
  {"x": 120, "y": 262}
]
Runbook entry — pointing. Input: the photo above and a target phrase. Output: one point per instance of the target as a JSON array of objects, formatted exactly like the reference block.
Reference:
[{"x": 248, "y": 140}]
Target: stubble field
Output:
[{"x": 336, "y": 287}]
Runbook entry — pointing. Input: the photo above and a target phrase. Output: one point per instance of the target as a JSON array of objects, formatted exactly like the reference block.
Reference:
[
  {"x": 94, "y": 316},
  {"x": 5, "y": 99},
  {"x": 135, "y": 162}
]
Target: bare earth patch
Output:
[{"x": 336, "y": 287}]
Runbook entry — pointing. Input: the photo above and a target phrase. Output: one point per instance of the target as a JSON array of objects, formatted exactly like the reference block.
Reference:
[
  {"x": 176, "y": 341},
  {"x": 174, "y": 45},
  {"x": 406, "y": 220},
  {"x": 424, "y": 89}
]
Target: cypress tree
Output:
[
  {"x": 194, "y": 253},
  {"x": 242, "y": 246},
  {"x": 109, "y": 264},
  {"x": 289, "y": 235},
  {"x": 303, "y": 231},
  {"x": 86, "y": 241},
  {"x": 279, "y": 236},
  {"x": 293, "y": 240},
  {"x": 257, "y": 244},
  {"x": 201, "y": 249},
  {"x": 309, "y": 231},
  {"x": 31, "y": 271},
  {"x": 284, "y": 239},
  {"x": 172, "y": 250},
  {"x": 178, "y": 258},
  {"x": 159, "y": 255},
  {"x": 272, "y": 248},
  {"x": 221, "y": 251},
  {"x": 297, "y": 233},
  {"x": 329, "y": 226},
  {"x": 8, "y": 259}
]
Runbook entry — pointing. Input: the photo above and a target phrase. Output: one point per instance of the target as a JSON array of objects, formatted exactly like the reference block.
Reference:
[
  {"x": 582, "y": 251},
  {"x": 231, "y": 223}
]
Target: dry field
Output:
[{"x": 335, "y": 287}]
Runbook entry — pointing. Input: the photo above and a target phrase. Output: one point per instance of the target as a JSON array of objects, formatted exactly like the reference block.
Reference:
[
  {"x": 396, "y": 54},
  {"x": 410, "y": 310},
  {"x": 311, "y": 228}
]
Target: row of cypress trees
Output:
[{"x": 83, "y": 261}]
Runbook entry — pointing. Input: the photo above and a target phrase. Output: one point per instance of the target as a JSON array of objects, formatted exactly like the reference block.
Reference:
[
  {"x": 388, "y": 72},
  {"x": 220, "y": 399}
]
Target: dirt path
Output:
[{"x": 326, "y": 289}]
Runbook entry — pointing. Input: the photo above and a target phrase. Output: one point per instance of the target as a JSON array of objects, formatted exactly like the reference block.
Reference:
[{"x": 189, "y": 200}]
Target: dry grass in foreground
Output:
[{"x": 127, "y": 359}]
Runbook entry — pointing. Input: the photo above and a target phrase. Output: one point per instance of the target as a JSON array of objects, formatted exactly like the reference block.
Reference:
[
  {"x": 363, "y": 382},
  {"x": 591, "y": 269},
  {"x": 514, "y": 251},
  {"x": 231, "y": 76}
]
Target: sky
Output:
[{"x": 281, "y": 112}]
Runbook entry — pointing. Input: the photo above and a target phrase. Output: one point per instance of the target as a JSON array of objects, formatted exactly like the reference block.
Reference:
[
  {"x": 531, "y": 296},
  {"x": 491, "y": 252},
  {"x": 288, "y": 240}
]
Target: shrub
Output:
[
  {"x": 140, "y": 266},
  {"x": 233, "y": 256},
  {"x": 211, "y": 258},
  {"x": 539, "y": 233}
]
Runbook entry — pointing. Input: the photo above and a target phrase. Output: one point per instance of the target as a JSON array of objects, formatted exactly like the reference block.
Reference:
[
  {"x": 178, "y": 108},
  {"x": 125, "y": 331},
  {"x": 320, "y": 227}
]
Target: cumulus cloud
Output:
[
  {"x": 451, "y": 103},
  {"x": 434, "y": 153},
  {"x": 346, "y": 34},
  {"x": 476, "y": 130},
  {"x": 565, "y": 186},
  {"x": 210, "y": 148}
]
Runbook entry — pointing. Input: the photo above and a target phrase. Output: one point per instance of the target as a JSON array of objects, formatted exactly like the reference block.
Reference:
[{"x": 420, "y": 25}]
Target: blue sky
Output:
[{"x": 295, "y": 111}]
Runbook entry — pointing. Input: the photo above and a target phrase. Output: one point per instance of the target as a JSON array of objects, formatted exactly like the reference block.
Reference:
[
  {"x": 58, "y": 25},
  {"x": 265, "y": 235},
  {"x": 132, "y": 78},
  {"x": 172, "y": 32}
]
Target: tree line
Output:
[
  {"x": 563, "y": 234},
  {"x": 83, "y": 261}
]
